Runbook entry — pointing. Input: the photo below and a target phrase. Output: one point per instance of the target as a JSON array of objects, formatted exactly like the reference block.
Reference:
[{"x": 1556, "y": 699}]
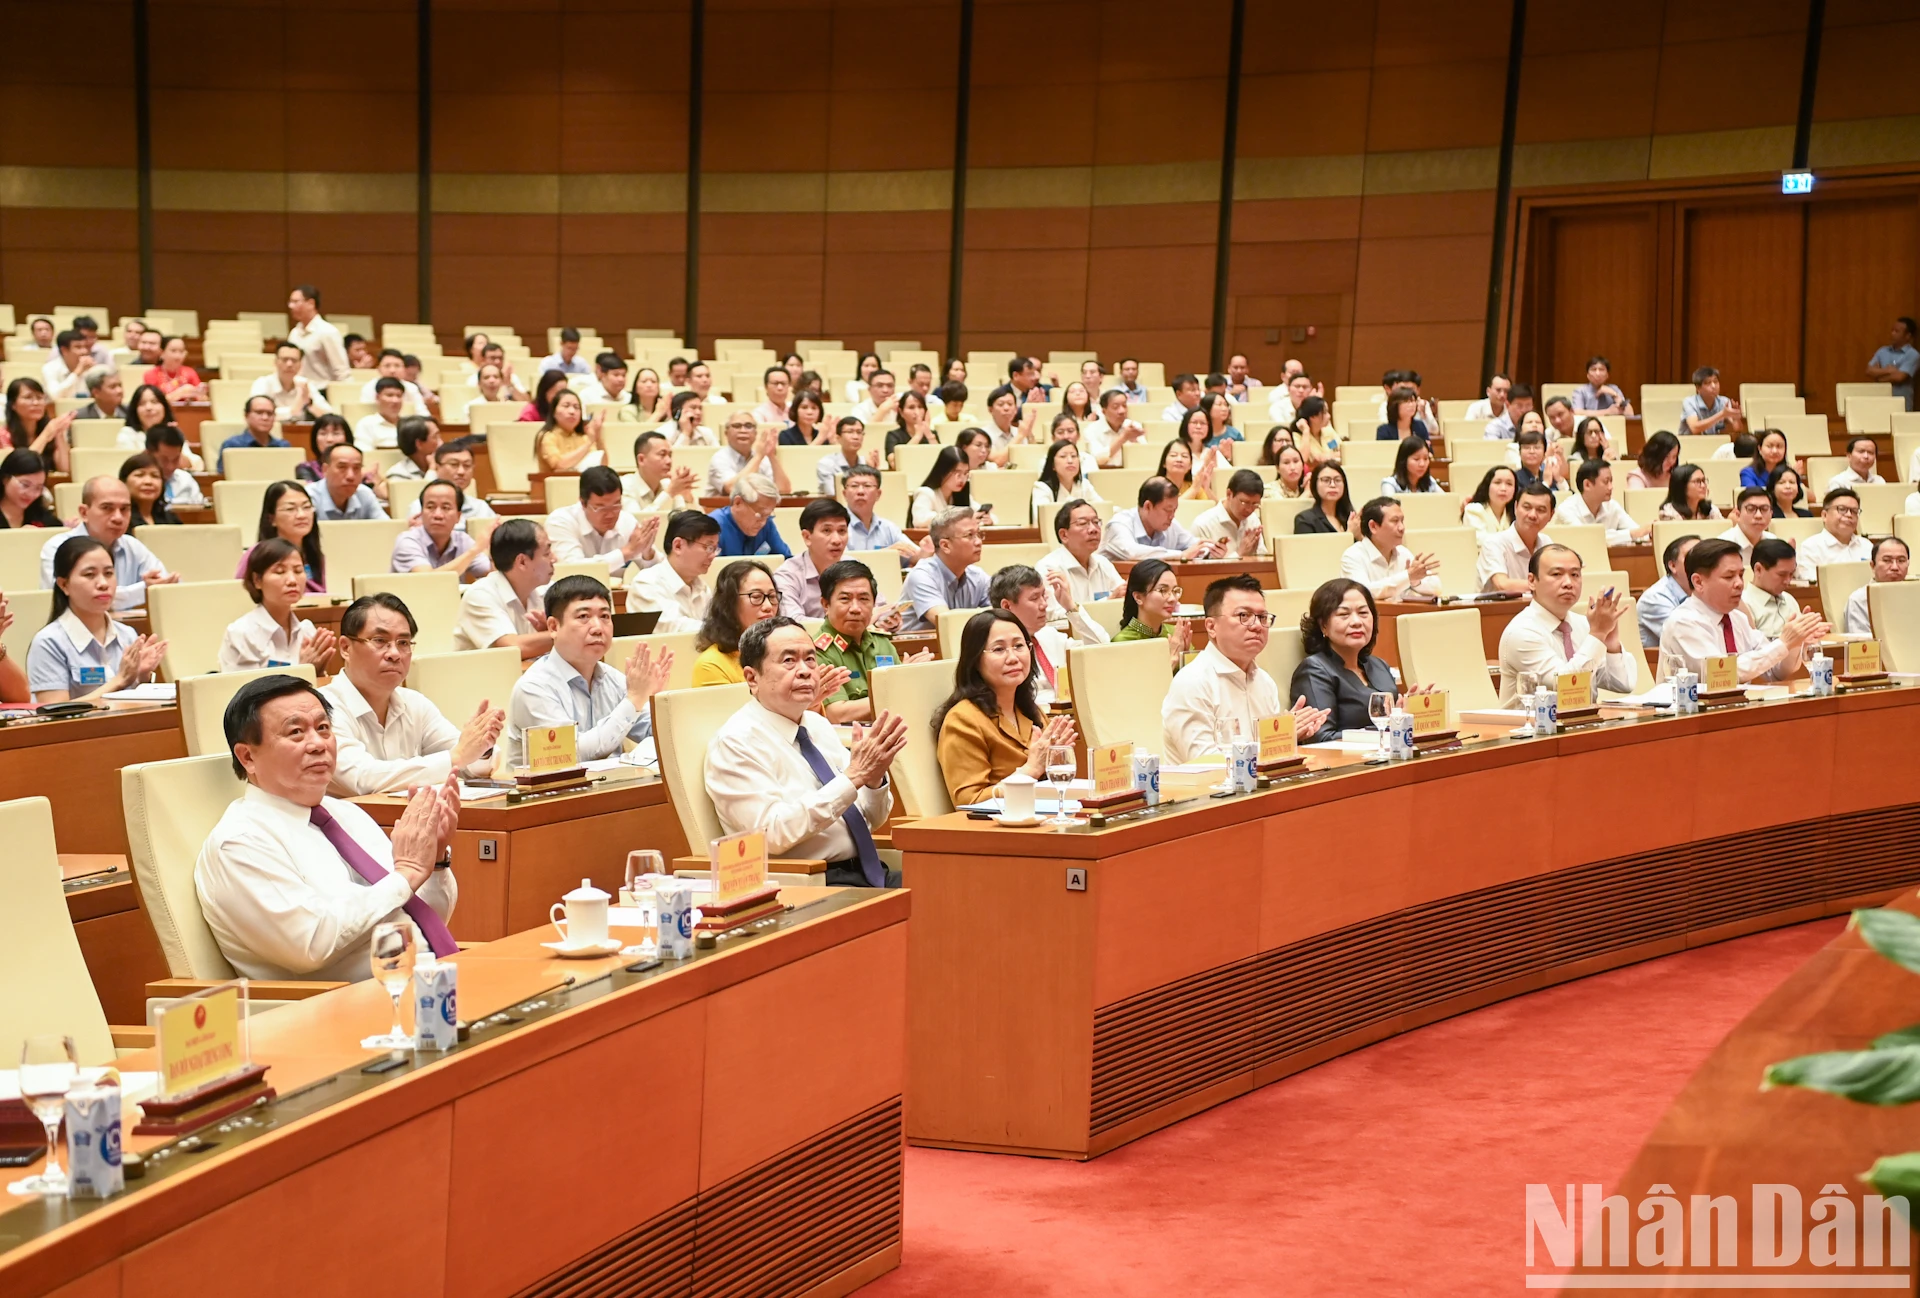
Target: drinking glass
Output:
[
  {"x": 1529, "y": 682},
  {"x": 1380, "y": 712},
  {"x": 49, "y": 1067},
  {"x": 395, "y": 949},
  {"x": 1061, "y": 768}
]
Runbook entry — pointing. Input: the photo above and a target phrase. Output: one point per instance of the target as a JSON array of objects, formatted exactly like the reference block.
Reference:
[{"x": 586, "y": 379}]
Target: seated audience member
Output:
[
  {"x": 180, "y": 489},
  {"x": 596, "y": 527},
  {"x": 1897, "y": 361},
  {"x": 106, "y": 513},
  {"x": 1190, "y": 471},
  {"x": 1021, "y": 591},
  {"x": 866, "y": 529},
  {"x": 849, "y": 435},
  {"x": 381, "y": 428},
  {"x": 609, "y": 385},
  {"x": 1289, "y": 396},
  {"x": 778, "y": 767},
  {"x": 1689, "y": 495},
  {"x": 1839, "y": 539},
  {"x": 950, "y": 403},
  {"x": 748, "y": 448},
  {"x": 1752, "y": 511},
  {"x": 1235, "y": 521},
  {"x": 878, "y": 406},
  {"x": 1493, "y": 404},
  {"x": 1412, "y": 470},
  {"x": 31, "y": 427},
  {"x": 823, "y": 539},
  {"x": 274, "y": 634},
  {"x": 1706, "y": 411},
  {"x": 173, "y": 376},
  {"x": 743, "y": 594},
  {"x": 1593, "y": 503},
  {"x": 1539, "y": 462},
  {"x": 949, "y": 578},
  {"x": 991, "y": 725},
  {"x": 568, "y": 359},
  {"x": 1150, "y": 609},
  {"x": 360, "y": 353},
  {"x": 453, "y": 462},
  {"x": 1599, "y": 392},
  {"x": 260, "y": 430},
  {"x": 1378, "y": 560},
  {"x": 1489, "y": 510},
  {"x": 700, "y": 380},
  {"x": 63, "y": 376},
  {"x": 292, "y": 882},
  {"x": 419, "y": 439},
  {"x": 328, "y": 430},
  {"x": 106, "y": 398},
  {"x": 1653, "y": 467},
  {"x": 1705, "y": 626},
  {"x": 1766, "y": 600},
  {"x": 146, "y": 410},
  {"x": 1547, "y": 638},
  {"x": 1186, "y": 398},
  {"x": 502, "y": 609},
  {"x": 849, "y": 642},
  {"x": 1339, "y": 672},
  {"x": 294, "y": 395},
  {"x": 1402, "y": 419},
  {"x": 568, "y": 441},
  {"x": 1863, "y": 456},
  {"x": 388, "y": 736},
  {"x": 746, "y": 520},
  {"x": 1506, "y": 556},
  {"x": 1224, "y": 692},
  {"x": 1591, "y": 440},
  {"x": 1504, "y": 424},
  {"x": 1061, "y": 479},
  {"x": 23, "y": 492},
  {"x": 1787, "y": 491},
  {"x": 1332, "y": 508},
  {"x": 436, "y": 543},
  {"x": 1150, "y": 531},
  {"x": 341, "y": 495},
  {"x": 571, "y": 684},
  {"x": 83, "y": 652},
  {"x": 657, "y": 485},
  {"x": 1107, "y": 436},
  {"x": 1769, "y": 453},
  {"x": 1890, "y": 559},
  {"x": 685, "y": 411},
  {"x": 147, "y": 488},
  {"x": 392, "y": 364},
  {"x": 1659, "y": 600},
  {"x": 677, "y": 590},
  {"x": 286, "y": 512},
  {"x": 1076, "y": 572},
  {"x": 1129, "y": 372},
  {"x": 945, "y": 487},
  {"x": 777, "y": 384}
]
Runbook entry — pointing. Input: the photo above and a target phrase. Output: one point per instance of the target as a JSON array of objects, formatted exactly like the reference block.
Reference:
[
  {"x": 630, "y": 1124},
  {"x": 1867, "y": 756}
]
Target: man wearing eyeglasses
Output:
[
  {"x": 388, "y": 736},
  {"x": 1839, "y": 539},
  {"x": 1225, "y": 685}
]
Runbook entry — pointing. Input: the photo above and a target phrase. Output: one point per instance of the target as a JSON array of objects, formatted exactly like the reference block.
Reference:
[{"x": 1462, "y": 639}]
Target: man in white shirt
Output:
[
  {"x": 1382, "y": 564},
  {"x": 1240, "y": 383},
  {"x": 292, "y": 393},
  {"x": 1705, "y": 626},
  {"x": 1765, "y": 599},
  {"x": 63, "y": 375},
  {"x": 1105, "y": 438},
  {"x": 1235, "y": 521},
  {"x": 1129, "y": 372},
  {"x": 1506, "y": 556},
  {"x": 293, "y": 882},
  {"x": 381, "y": 429},
  {"x": 1493, "y": 405},
  {"x": 393, "y": 365},
  {"x": 608, "y": 382},
  {"x": 168, "y": 446},
  {"x": 1890, "y": 559},
  {"x": 1149, "y": 531},
  {"x": 1186, "y": 399},
  {"x": 880, "y": 405},
  {"x": 1285, "y": 405},
  {"x": 453, "y": 462},
  {"x": 567, "y": 360},
  {"x": 323, "y": 351},
  {"x": 778, "y": 767},
  {"x": 1007, "y": 422},
  {"x": 778, "y": 385},
  {"x": 1751, "y": 514},
  {"x": 106, "y": 512},
  {"x": 1225, "y": 687},
  {"x": 1023, "y": 592},
  {"x": 677, "y": 590},
  {"x": 1076, "y": 572},
  {"x": 388, "y": 736},
  {"x": 1592, "y": 502},
  {"x": 850, "y": 435},
  {"x": 500, "y": 609},
  {"x": 1838, "y": 540},
  {"x": 700, "y": 383},
  {"x": 750, "y": 448},
  {"x": 571, "y": 685},
  {"x": 1862, "y": 456},
  {"x": 1547, "y": 638},
  {"x": 595, "y": 526},
  {"x": 656, "y": 486}
]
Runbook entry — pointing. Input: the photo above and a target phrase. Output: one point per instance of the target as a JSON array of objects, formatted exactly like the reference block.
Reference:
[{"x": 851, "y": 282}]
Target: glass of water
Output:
[
  {"x": 49, "y": 1067},
  {"x": 395, "y": 948},
  {"x": 1529, "y": 682},
  {"x": 1061, "y": 768},
  {"x": 1380, "y": 712}
]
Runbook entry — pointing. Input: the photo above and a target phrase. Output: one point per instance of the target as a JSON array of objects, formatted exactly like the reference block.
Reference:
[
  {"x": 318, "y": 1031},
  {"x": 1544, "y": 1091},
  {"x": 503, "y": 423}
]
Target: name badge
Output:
[
  {"x": 274, "y": 662},
  {"x": 881, "y": 660},
  {"x": 93, "y": 676}
]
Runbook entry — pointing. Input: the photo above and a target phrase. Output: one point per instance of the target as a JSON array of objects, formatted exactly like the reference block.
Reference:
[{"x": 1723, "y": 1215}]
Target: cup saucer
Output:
[
  {"x": 1016, "y": 822},
  {"x": 584, "y": 950}
]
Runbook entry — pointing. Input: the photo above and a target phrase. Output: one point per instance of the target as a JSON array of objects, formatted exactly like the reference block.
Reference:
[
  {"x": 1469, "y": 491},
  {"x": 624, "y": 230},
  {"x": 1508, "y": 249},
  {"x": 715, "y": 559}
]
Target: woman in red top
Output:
[{"x": 176, "y": 379}]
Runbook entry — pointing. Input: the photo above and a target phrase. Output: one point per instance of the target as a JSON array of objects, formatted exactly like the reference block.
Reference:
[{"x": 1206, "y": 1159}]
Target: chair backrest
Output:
[
  {"x": 1795, "y": 529},
  {"x": 456, "y": 682},
  {"x": 237, "y": 504},
  {"x": 1630, "y": 640},
  {"x": 1009, "y": 491},
  {"x": 1445, "y": 649},
  {"x": 1843, "y": 392},
  {"x": 1667, "y": 529},
  {"x": 30, "y": 609},
  {"x": 192, "y": 617},
  {"x": 47, "y": 988},
  {"x": 1118, "y": 690},
  {"x": 1457, "y": 548},
  {"x": 1305, "y": 561},
  {"x": 1588, "y": 540},
  {"x": 1107, "y": 612},
  {"x": 678, "y": 643},
  {"x": 95, "y": 434},
  {"x": 915, "y": 691},
  {"x": 684, "y": 722},
  {"x": 363, "y": 547},
  {"x": 1283, "y": 653},
  {"x": 204, "y": 699},
  {"x": 197, "y": 551},
  {"x": 432, "y": 597},
  {"x": 1895, "y": 609},
  {"x": 1880, "y": 504},
  {"x": 953, "y": 624},
  {"x": 995, "y": 557},
  {"x": 401, "y": 493},
  {"x": 560, "y": 490},
  {"x": 171, "y": 807},
  {"x": 260, "y": 463},
  {"x": 510, "y": 451},
  {"x": 1871, "y": 414},
  {"x": 102, "y": 462},
  {"x": 20, "y": 556},
  {"x": 1430, "y": 511},
  {"x": 1838, "y": 581}
]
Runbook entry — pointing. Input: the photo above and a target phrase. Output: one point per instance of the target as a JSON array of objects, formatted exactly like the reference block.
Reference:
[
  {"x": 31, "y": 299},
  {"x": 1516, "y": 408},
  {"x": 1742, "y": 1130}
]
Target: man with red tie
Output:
[
  {"x": 1023, "y": 592},
  {"x": 292, "y": 882},
  {"x": 1711, "y": 622}
]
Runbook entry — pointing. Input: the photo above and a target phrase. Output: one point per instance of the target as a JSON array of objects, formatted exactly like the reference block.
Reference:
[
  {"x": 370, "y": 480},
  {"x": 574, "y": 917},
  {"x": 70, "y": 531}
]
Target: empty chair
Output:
[
  {"x": 44, "y": 976},
  {"x": 1118, "y": 690},
  {"x": 363, "y": 547},
  {"x": 260, "y": 463},
  {"x": 1305, "y": 561},
  {"x": 197, "y": 551},
  {"x": 1457, "y": 549},
  {"x": 1894, "y": 607},
  {"x": 204, "y": 699},
  {"x": 457, "y": 682},
  {"x": 1446, "y": 650},
  {"x": 1837, "y": 583},
  {"x": 192, "y": 617},
  {"x": 914, "y": 691},
  {"x": 432, "y": 597},
  {"x": 677, "y": 643}
]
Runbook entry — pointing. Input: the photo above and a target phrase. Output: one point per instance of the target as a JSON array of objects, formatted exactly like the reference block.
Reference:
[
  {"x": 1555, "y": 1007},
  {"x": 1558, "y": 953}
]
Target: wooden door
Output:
[{"x": 1743, "y": 279}]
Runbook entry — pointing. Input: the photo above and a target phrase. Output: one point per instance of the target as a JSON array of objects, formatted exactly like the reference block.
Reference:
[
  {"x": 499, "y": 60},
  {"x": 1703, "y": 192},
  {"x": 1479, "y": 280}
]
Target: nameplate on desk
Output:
[
  {"x": 198, "y": 1040},
  {"x": 552, "y": 748},
  {"x": 1863, "y": 658},
  {"x": 1276, "y": 738},
  {"x": 1721, "y": 674},
  {"x": 1112, "y": 769},
  {"x": 1429, "y": 712},
  {"x": 739, "y": 865},
  {"x": 1574, "y": 691}
]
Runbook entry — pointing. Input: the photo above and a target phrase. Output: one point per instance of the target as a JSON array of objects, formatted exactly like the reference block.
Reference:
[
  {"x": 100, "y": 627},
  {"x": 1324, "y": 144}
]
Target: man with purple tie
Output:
[{"x": 292, "y": 882}]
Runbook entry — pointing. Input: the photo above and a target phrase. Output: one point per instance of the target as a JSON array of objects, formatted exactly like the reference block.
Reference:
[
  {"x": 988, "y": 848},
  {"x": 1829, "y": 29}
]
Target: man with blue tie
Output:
[{"x": 776, "y": 765}]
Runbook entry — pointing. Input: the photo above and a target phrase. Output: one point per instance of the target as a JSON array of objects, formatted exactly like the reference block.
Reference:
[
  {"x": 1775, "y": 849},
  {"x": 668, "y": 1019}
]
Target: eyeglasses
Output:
[
  {"x": 381, "y": 644},
  {"x": 760, "y": 598},
  {"x": 1846, "y": 511},
  {"x": 1248, "y": 618},
  {"x": 1174, "y": 592}
]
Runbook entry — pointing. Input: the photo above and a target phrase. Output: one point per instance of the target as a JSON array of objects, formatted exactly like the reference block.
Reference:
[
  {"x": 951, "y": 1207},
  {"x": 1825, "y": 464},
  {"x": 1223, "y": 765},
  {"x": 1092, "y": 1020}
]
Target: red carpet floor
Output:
[{"x": 1399, "y": 1169}]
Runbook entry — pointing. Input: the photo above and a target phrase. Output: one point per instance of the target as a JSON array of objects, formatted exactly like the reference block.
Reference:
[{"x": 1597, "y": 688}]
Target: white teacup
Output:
[
  {"x": 1016, "y": 796},
  {"x": 586, "y": 911}
]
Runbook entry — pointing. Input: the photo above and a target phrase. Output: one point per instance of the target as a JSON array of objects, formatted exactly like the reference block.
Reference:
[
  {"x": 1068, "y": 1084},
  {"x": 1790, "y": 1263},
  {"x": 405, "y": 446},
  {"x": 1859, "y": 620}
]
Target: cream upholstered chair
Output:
[
  {"x": 47, "y": 986},
  {"x": 1010, "y": 492},
  {"x": 679, "y": 643},
  {"x": 432, "y": 597},
  {"x": 197, "y": 551},
  {"x": 1588, "y": 540},
  {"x": 1277, "y": 514},
  {"x": 1667, "y": 529},
  {"x": 363, "y": 547},
  {"x": 20, "y": 556},
  {"x": 1795, "y": 529},
  {"x": 238, "y": 504},
  {"x": 31, "y": 610},
  {"x": 1107, "y": 612},
  {"x": 594, "y": 568},
  {"x": 995, "y": 557},
  {"x": 1457, "y": 548},
  {"x": 260, "y": 463},
  {"x": 1288, "y": 607},
  {"x": 953, "y": 624},
  {"x": 684, "y": 722},
  {"x": 560, "y": 490},
  {"x": 510, "y": 451},
  {"x": 1117, "y": 692},
  {"x": 401, "y": 495},
  {"x": 1303, "y": 562},
  {"x": 1895, "y": 609},
  {"x": 1837, "y": 582},
  {"x": 1630, "y": 641},
  {"x": 915, "y": 691},
  {"x": 1445, "y": 650},
  {"x": 192, "y": 617},
  {"x": 1431, "y": 511},
  {"x": 204, "y": 699},
  {"x": 456, "y": 682},
  {"x": 1283, "y": 653}
]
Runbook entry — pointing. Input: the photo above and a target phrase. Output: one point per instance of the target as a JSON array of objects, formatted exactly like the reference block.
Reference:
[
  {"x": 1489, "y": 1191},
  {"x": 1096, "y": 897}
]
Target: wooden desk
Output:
[
  {"x": 1226, "y": 944},
  {"x": 622, "y": 1137},
  {"x": 1196, "y": 576},
  {"x": 543, "y": 848},
  {"x": 76, "y": 766}
]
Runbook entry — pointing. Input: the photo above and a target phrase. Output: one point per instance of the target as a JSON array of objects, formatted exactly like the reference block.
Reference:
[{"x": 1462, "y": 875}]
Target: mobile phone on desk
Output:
[{"x": 21, "y": 1156}]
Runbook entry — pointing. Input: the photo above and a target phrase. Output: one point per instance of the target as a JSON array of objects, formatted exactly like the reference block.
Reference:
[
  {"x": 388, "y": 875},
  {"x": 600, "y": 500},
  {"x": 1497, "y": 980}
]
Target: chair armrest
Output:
[
  {"x": 263, "y": 988},
  {"x": 784, "y": 864},
  {"x": 132, "y": 1038}
]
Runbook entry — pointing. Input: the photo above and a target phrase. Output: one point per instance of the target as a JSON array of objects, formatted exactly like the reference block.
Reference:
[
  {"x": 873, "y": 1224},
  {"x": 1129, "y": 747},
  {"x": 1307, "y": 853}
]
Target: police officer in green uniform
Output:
[{"x": 847, "y": 591}]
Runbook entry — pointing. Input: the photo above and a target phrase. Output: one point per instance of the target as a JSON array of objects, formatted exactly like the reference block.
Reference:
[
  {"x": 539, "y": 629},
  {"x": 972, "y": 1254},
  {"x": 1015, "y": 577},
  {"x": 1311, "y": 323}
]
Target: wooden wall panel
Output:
[
  {"x": 1602, "y": 267},
  {"x": 1852, "y": 299},
  {"x": 1743, "y": 292}
]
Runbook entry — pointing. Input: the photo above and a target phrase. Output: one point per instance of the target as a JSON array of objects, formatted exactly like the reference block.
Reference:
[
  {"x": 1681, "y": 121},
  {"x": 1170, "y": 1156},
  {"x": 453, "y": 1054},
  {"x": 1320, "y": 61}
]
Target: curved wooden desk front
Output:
[
  {"x": 729, "y": 1125},
  {"x": 1220, "y": 948}
]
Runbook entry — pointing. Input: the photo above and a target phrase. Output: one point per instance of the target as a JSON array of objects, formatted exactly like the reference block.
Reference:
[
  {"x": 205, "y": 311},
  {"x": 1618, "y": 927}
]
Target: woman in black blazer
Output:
[
  {"x": 1330, "y": 510},
  {"x": 1339, "y": 671}
]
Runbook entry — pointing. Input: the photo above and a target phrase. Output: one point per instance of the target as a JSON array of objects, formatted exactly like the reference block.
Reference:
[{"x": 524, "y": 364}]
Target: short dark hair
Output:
[
  {"x": 85, "y": 322},
  {"x": 308, "y": 292},
  {"x": 1374, "y": 512},
  {"x": 688, "y": 525},
  {"x": 640, "y": 442},
  {"x": 165, "y": 435},
  {"x": 1534, "y": 488},
  {"x": 354, "y": 620},
  {"x": 951, "y": 391},
  {"x": 388, "y": 383},
  {"x": 1704, "y": 373},
  {"x": 753, "y": 640},
  {"x": 844, "y": 571},
  {"x": 247, "y": 405},
  {"x": 453, "y": 446},
  {"x": 1327, "y": 597},
  {"x": 1019, "y": 365},
  {"x": 1874, "y": 553},
  {"x": 1769, "y": 550},
  {"x": 1245, "y": 482},
  {"x": 608, "y": 361},
  {"x": 241, "y": 721},
  {"x": 1858, "y": 438},
  {"x": 1752, "y": 493},
  {"x": 1182, "y": 380},
  {"x": 67, "y": 338},
  {"x": 574, "y": 590},
  {"x": 1004, "y": 390},
  {"x": 511, "y": 539},
  {"x": 459, "y": 496},
  {"x": 394, "y": 352},
  {"x": 1218, "y": 590},
  {"x": 820, "y": 510},
  {"x": 1671, "y": 555},
  {"x": 1706, "y": 556},
  {"x": 1837, "y": 493},
  {"x": 860, "y": 471},
  {"x": 1589, "y": 471},
  {"x": 286, "y": 346},
  {"x": 327, "y": 456},
  {"x": 1533, "y": 560},
  {"x": 261, "y": 557},
  {"x": 411, "y": 431},
  {"x": 1155, "y": 490},
  {"x": 1063, "y": 514},
  {"x": 840, "y": 425},
  {"x": 569, "y": 335},
  {"x": 1519, "y": 392},
  {"x": 1009, "y": 582},
  {"x": 599, "y": 481}
]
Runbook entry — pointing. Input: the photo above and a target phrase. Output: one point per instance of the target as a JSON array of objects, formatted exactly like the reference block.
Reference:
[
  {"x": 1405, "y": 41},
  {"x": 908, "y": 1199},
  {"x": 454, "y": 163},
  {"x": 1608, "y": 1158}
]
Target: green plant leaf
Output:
[
  {"x": 1907, "y": 1036},
  {"x": 1890, "y": 1076},
  {"x": 1896, "y": 1177},
  {"x": 1893, "y": 933}
]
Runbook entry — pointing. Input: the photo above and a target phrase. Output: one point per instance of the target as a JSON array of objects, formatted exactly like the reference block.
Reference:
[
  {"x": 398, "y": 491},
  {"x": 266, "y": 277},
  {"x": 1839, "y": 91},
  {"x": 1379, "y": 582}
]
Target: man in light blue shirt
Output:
[
  {"x": 572, "y": 685},
  {"x": 1898, "y": 360},
  {"x": 105, "y": 512},
  {"x": 867, "y": 530},
  {"x": 1706, "y": 411},
  {"x": 1667, "y": 594},
  {"x": 341, "y": 495},
  {"x": 949, "y": 578},
  {"x": 1149, "y": 531},
  {"x": 567, "y": 360}
]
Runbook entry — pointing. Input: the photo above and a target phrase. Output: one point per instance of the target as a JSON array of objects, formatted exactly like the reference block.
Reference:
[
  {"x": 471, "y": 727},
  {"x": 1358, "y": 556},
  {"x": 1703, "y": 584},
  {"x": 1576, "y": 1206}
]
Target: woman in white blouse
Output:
[
  {"x": 944, "y": 487},
  {"x": 1061, "y": 481},
  {"x": 274, "y": 634},
  {"x": 1491, "y": 509}
]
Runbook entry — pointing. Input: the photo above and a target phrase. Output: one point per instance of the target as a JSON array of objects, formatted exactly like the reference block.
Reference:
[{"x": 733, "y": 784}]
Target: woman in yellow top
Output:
[
  {"x": 742, "y": 595},
  {"x": 990, "y": 726},
  {"x": 569, "y": 442},
  {"x": 1177, "y": 466}
]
